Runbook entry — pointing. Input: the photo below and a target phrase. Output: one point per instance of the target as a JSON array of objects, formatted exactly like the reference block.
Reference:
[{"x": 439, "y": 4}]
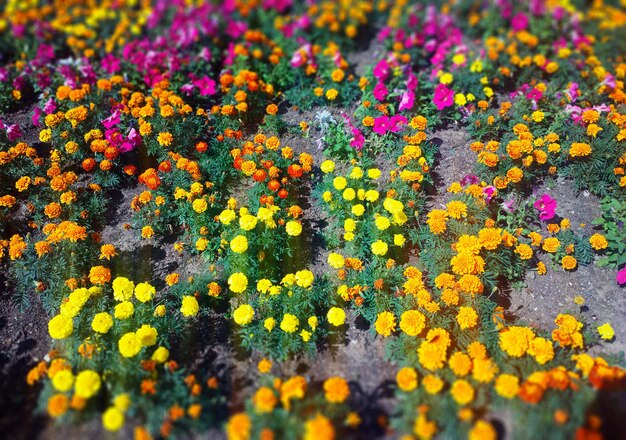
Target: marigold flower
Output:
[
  {"x": 385, "y": 324},
  {"x": 189, "y": 306},
  {"x": 243, "y": 315},
  {"x": 336, "y": 390},
  {"x": 87, "y": 384},
  {"x": 406, "y": 378}
]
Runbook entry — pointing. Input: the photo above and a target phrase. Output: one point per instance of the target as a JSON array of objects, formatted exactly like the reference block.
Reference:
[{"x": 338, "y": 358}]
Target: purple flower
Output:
[
  {"x": 519, "y": 22},
  {"x": 546, "y": 206},
  {"x": 14, "y": 132},
  {"x": 621, "y": 276}
]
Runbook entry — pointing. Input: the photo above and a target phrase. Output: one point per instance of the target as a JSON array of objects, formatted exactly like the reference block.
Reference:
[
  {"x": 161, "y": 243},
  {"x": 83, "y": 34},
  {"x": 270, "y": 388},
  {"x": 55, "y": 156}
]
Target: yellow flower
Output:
[
  {"x": 129, "y": 345},
  {"x": 124, "y": 310},
  {"x": 239, "y": 427},
  {"x": 102, "y": 322},
  {"x": 336, "y": 316},
  {"x": 318, "y": 428},
  {"x": 606, "y": 331},
  {"x": 160, "y": 355},
  {"x": 289, "y": 324},
  {"x": 385, "y": 324},
  {"x": 328, "y": 166},
  {"x": 264, "y": 400},
  {"x": 269, "y": 324},
  {"x": 432, "y": 384},
  {"x": 112, "y": 419},
  {"x": 336, "y": 390},
  {"x": 515, "y": 340},
  {"x": 293, "y": 228},
  {"x": 60, "y": 327},
  {"x": 598, "y": 242},
  {"x": 189, "y": 306},
  {"x": 336, "y": 260},
  {"x": 406, "y": 378},
  {"x": 87, "y": 384},
  {"x": 507, "y": 386},
  {"x": 199, "y": 205},
  {"x": 462, "y": 392},
  {"x": 331, "y": 94},
  {"x": 144, "y": 292},
  {"x": 238, "y": 282},
  {"x": 412, "y": 322},
  {"x": 63, "y": 380},
  {"x": 244, "y": 314},
  {"x": 340, "y": 183},
  {"x": 467, "y": 317},
  {"x": 304, "y": 278},
  {"x": 239, "y": 244},
  {"x": 379, "y": 248},
  {"x": 382, "y": 222}
]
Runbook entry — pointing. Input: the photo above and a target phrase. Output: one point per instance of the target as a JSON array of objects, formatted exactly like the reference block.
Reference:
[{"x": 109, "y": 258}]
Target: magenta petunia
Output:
[
  {"x": 621, "y": 276},
  {"x": 546, "y": 206},
  {"x": 444, "y": 97}
]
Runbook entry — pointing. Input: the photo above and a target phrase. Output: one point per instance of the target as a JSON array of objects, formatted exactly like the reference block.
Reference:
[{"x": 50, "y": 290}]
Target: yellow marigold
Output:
[
  {"x": 379, "y": 248},
  {"x": 483, "y": 430},
  {"x": 467, "y": 317},
  {"x": 541, "y": 349},
  {"x": 406, "y": 378},
  {"x": 293, "y": 228},
  {"x": 189, "y": 306},
  {"x": 244, "y": 314},
  {"x": 336, "y": 390},
  {"x": 239, "y": 427},
  {"x": 239, "y": 244},
  {"x": 568, "y": 262},
  {"x": 304, "y": 278},
  {"x": 123, "y": 289},
  {"x": 385, "y": 324},
  {"x": 490, "y": 238},
  {"x": 147, "y": 232},
  {"x": 456, "y": 209},
  {"x": 336, "y": 316},
  {"x": 63, "y": 380},
  {"x": 238, "y": 282},
  {"x": 437, "y": 221},
  {"x": 471, "y": 284},
  {"x": 484, "y": 370},
  {"x": 412, "y": 322},
  {"x": 113, "y": 419},
  {"x": 318, "y": 428},
  {"x": 293, "y": 388},
  {"x": 524, "y": 251},
  {"x": 60, "y": 327},
  {"x": 462, "y": 392},
  {"x": 598, "y": 242},
  {"x": 144, "y": 292},
  {"x": 551, "y": 244},
  {"x": 432, "y": 384},
  {"x": 515, "y": 340},
  {"x": 87, "y": 384},
  {"x": 289, "y": 323},
  {"x": 102, "y": 322},
  {"x": 432, "y": 352},
  {"x": 129, "y": 345},
  {"x": 165, "y": 139},
  {"x": 460, "y": 364},
  {"x": 264, "y": 400},
  {"x": 580, "y": 149},
  {"x": 507, "y": 386}
]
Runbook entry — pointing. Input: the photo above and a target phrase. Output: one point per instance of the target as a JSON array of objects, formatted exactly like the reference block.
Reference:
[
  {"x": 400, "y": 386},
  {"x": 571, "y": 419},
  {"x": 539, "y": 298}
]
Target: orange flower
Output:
[{"x": 99, "y": 275}]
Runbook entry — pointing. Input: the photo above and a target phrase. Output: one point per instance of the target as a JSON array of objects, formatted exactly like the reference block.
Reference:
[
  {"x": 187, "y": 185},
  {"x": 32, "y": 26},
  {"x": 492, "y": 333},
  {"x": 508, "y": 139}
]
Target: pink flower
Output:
[
  {"x": 519, "y": 22},
  {"x": 382, "y": 70},
  {"x": 112, "y": 120},
  {"x": 621, "y": 276},
  {"x": 381, "y": 124},
  {"x": 444, "y": 97},
  {"x": 205, "y": 85},
  {"x": 546, "y": 206},
  {"x": 407, "y": 100},
  {"x": 380, "y": 91}
]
